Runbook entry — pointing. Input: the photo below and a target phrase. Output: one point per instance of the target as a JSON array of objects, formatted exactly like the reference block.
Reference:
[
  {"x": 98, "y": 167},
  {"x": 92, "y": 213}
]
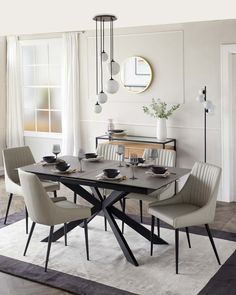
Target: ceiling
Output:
[{"x": 44, "y": 16}]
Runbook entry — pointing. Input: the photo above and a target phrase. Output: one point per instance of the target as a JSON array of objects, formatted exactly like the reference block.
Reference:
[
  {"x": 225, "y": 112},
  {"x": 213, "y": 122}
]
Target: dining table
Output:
[{"x": 90, "y": 186}]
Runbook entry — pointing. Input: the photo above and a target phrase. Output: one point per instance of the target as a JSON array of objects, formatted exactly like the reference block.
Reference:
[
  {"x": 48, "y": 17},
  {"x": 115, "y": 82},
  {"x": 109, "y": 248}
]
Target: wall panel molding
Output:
[{"x": 162, "y": 61}]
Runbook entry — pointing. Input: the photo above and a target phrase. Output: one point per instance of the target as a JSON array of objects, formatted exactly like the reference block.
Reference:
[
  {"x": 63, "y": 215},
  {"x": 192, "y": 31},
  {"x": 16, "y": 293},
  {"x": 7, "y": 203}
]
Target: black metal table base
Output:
[{"x": 110, "y": 211}]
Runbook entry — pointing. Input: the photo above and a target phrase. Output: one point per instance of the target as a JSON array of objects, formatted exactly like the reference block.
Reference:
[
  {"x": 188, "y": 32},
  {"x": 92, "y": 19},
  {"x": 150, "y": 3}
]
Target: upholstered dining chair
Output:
[
  {"x": 109, "y": 152},
  {"x": 14, "y": 158},
  {"x": 194, "y": 205},
  {"x": 165, "y": 157},
  {"x": 43, "y": 211}
]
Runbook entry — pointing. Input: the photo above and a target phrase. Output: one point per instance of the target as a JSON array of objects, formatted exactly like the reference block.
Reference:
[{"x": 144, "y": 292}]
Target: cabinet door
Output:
[{"x": 131, "y": 150}]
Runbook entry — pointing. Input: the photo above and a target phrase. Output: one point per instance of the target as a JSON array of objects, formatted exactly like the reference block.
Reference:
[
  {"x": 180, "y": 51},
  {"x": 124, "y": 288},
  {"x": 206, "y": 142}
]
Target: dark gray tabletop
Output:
[{"x": 143, "y": 184}]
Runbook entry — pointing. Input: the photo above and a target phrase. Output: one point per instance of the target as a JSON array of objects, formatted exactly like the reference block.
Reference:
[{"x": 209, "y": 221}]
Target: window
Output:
[{"x": 41, "y": 62}]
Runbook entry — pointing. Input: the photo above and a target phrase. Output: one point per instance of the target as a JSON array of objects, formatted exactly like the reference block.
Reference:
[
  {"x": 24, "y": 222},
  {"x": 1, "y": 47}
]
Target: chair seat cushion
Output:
[
  {"x": 158, "y": 195},
  {"x": 171, "y": 214},
  {"x": 58, "y": 199},
  {"x": 50, "y": 186},
  {"x": 68, "y": 211}
]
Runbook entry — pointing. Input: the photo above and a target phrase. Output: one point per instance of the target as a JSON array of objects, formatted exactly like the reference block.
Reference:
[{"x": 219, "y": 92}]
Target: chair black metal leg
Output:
[
  {"x": 141, "y": 210},
  {"x": 29, "y": 238},
  {"x": 86, "y": 238},
  {"x": 212, "y": 243},
  {"x": 55, "y": 194},
  {"x": 75, "y": 198},
  {"x": 188, "y": 237},
  {"x": 65, "y": 233},
  {"x": 158, "y": 227},
  {"x": 105, "y": 219},
  {"x": 152, "y": 234},
  {"x": 123, "y": 210},
  {"x": 49, "y": 247},
  {"x": 177, "y": 251},
  {"x": 8, "y": 207},
  {"x": 26, "y": 221}
]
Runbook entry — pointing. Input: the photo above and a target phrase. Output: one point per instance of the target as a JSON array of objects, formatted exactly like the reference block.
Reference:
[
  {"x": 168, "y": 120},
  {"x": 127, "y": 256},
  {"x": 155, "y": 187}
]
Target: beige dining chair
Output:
[
  {"x": 43, "y": 211},
  {"x": 167, "y": 158},
  {"x": 194, "y": 205},
  {"x": 108, "y": 151},
  {"x": 13, "y": 158}
]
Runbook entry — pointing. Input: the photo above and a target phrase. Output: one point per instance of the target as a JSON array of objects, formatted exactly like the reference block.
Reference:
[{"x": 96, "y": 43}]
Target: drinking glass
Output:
[
  {"x": 56, "y": 149},
  {"x": 81, "y": 156},
  {"x": 153, "y": 155},
  {"x": 120, "y": 151},
  {"x": 133, "y": 160}
]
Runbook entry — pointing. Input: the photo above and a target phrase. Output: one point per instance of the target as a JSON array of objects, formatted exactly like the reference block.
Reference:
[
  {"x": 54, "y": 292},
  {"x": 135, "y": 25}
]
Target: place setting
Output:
[
  {"x": 158, "y": 171},
  {"x": 92, "y": 157},
  {"x": 111, "y": 174},
  {"x": 51, "y": 160}
]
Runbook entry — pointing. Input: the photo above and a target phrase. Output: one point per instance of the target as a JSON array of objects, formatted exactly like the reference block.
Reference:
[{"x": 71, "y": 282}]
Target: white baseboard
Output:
[{"x": 1, "y": 171}]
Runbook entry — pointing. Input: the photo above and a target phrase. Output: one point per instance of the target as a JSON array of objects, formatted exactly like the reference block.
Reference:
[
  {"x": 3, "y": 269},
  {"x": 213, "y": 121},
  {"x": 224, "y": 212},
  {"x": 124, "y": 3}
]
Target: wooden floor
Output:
[{"x": 225, "y": 220}]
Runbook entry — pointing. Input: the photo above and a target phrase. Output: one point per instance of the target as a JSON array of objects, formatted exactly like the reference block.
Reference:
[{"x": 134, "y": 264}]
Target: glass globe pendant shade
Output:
[
  {"x": 211, "y": 110},
  {"x": 115, "y": 67},
  {"x": 97, "y": 108},
  {"x": 200, "y": 98},
  {"x": 112, "y": 86},
  {"x": 104, "y": 56},
  {"x": 102, "y": 97},
  {"x": 208, "y": 105}
]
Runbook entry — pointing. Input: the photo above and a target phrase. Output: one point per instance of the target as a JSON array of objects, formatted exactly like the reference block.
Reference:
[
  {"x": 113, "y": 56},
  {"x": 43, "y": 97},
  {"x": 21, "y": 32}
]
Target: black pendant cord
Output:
[
  {"x": 103, "y": 38},
  {"x": 96, "y": 57},
  {"x": 112, "y": 43},
  {"x": 111, "y": 52},
  {"x": 101, "y": 69},
  {"x": 205, "y": 118}
]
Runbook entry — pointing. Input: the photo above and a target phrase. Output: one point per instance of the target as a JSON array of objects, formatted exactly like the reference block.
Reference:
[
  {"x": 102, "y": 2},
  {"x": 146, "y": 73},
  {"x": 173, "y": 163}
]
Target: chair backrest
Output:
[
  {"x": 165, "y": 157},
  {"x": 14, "y": 158},
  {"x": 202, "y": 185},
  {"x": 108, "y": 151},
  {"x": 40, "y": 208}
]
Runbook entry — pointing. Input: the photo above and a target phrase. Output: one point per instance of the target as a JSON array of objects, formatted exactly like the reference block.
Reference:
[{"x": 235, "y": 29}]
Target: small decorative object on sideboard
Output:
[
  {"x": 110, "y": 125},
  {"x": 158, "y": 109}
]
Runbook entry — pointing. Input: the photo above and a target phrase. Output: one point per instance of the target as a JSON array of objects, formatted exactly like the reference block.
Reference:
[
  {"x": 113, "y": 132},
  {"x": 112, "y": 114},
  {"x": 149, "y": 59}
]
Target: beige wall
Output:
[
  {"x": 2, "y": 96},
  {"x": 201, "y": 66}
]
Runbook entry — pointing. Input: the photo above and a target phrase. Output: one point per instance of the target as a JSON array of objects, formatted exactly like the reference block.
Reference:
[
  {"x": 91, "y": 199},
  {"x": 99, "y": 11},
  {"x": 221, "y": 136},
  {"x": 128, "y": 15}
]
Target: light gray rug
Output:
[{"x": 155, "y": 275}]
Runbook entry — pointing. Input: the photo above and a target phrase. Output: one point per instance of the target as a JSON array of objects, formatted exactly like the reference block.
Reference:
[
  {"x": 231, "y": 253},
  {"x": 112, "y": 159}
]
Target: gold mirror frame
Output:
[{"x": 139, "y": 72}]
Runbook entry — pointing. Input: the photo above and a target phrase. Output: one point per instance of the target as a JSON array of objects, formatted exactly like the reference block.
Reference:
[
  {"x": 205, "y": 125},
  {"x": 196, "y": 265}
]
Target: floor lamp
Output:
[{"x": 208, "y": 108}]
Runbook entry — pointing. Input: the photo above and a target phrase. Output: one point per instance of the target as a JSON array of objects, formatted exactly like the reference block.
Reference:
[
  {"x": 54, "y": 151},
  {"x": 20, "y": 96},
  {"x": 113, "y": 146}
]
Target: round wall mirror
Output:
[{"x": 136, "y": 74}]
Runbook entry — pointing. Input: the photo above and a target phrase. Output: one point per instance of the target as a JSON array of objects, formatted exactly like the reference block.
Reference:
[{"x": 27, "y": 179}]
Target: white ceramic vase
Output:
[{"x": 161, "y": 129}]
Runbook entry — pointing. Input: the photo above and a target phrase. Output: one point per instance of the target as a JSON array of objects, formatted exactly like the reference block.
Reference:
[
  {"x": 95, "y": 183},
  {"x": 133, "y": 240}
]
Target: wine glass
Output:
[
  {"x": 133, "y": 160},
  {"x": 81, "y": 156},
  {"x": 56, "y": 149},
  {"x": 153, "y": 155},
  {"x": 120, "y": 151}
]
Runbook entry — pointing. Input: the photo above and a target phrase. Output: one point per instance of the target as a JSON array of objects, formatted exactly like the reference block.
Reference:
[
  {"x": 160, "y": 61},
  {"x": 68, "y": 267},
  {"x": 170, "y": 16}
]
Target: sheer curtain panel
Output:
[
  {"x": 15, "y": 129},
  {"x": 70, "y": 95}
]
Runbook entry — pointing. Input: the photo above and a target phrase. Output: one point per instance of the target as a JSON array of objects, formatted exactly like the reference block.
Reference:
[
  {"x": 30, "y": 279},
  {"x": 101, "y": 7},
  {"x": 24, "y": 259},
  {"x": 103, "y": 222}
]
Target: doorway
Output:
[{"x": 228, "y": 121}]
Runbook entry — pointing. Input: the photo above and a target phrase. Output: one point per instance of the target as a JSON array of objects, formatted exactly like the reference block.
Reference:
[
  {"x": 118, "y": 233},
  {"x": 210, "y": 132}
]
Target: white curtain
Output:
[
  {"x": 70, "y": 95},
  {"x": 15, "y": 129}
]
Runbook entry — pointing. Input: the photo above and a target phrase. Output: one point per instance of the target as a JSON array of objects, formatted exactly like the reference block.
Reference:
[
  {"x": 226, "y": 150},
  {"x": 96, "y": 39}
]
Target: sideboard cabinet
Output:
[{"x": 137, "y": 144}]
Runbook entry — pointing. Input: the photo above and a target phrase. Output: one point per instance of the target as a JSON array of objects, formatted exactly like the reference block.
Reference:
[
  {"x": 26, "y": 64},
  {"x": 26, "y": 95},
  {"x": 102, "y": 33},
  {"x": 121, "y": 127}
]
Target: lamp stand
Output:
[{"x": 204, "y": 92}]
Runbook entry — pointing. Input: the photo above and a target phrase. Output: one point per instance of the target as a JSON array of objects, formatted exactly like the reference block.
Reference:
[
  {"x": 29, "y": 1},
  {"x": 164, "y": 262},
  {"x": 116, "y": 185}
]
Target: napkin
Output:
[
  {"x": 164, "y": 175},
  {"x": 68, "y": 171},
  {"x": 119, "y": 177}
]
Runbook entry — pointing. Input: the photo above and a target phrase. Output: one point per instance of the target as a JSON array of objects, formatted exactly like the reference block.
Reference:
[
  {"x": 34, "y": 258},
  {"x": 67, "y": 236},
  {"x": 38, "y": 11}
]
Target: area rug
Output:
[{"x": 108, "y": 272}]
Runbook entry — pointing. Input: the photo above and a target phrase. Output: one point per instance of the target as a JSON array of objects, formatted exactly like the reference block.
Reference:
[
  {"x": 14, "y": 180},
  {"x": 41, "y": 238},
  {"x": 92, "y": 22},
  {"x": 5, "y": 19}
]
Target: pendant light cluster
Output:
[{"x": 112, "y": 85}]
